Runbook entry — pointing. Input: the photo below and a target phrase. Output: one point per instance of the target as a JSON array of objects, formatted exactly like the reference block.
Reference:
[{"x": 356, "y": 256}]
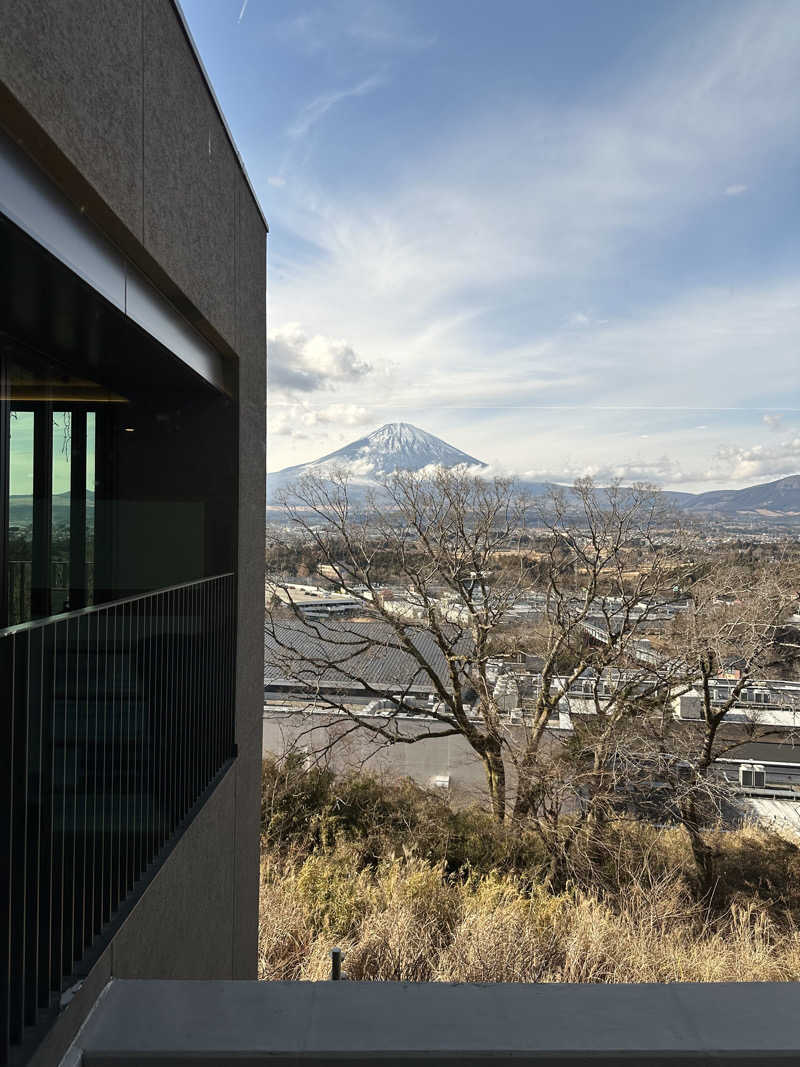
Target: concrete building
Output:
[
  {"x": 132, "y": 338},
  {"x": 768, "y": 704},
  {"x": 764, "y": 768},
  {"x": 132, "y": 406},
  {"x": 311, "y": 601}
]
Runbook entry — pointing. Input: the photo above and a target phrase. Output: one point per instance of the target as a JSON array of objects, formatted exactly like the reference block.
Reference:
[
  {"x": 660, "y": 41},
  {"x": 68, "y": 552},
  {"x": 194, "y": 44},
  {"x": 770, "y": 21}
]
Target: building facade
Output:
[{"x": 132, "y": 466}]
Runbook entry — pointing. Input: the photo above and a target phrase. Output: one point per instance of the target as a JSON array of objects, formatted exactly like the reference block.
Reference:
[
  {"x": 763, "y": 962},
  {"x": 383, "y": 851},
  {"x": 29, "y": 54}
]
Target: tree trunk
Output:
[
  {"x": 556, "y": 878},
  {"x": 496, "y": 780},
  {"x": 702, "y": 853},
  {"x": 522, "y": 803}
]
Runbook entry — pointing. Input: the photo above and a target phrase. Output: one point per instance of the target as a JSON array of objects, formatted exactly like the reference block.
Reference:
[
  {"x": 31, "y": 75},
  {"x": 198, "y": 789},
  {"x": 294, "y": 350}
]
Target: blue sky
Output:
[{"x": 564, "y": 236}]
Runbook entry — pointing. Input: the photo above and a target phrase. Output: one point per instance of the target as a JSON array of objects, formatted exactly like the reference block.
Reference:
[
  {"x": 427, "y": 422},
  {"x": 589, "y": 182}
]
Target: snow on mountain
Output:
[
  {"x": 401, "y": 446},
  {"x": 395, "y": 446}
]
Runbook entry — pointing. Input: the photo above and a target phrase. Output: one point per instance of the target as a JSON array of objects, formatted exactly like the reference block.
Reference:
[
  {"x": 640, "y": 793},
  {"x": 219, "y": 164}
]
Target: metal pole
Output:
[{"x": 336, "y": 964}]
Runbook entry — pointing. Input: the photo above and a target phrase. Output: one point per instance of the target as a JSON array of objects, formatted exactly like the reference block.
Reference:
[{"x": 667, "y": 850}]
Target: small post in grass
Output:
[{"x": 336, "y": 964}]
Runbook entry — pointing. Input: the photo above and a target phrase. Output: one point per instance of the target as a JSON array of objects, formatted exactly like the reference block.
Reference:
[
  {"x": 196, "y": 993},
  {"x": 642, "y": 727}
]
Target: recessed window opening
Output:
[{"x": 107, "y": 488}]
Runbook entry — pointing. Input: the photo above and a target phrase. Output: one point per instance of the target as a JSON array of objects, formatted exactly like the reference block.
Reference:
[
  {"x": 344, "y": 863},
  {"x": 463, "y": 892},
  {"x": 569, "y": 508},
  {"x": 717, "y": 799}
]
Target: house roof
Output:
[
  {"x": 764, "y": 752},
  {"x": 347, "y": 654}
]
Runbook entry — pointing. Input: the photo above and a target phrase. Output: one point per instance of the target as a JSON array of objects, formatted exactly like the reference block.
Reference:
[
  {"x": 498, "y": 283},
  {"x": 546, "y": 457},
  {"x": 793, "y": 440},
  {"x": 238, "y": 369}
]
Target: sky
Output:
[{"x": 564, "y": 235}]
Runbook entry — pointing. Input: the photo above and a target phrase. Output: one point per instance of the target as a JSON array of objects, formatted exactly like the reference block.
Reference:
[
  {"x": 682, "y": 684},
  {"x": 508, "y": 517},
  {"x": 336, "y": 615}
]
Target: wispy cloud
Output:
[
  {"x": 515, "y": 207},
  {"x": 322, "y": 104},
  {"x": 294, "y": 420},
  {"x": 370, "y": 25},
  {"x": 241, "y": 13}
]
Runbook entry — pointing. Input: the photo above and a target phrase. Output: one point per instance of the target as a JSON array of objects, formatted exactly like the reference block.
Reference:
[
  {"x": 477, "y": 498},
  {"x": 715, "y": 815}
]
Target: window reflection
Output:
[
  {"x": 108, "y": 487},
  {"x": 20, "y": 515}
]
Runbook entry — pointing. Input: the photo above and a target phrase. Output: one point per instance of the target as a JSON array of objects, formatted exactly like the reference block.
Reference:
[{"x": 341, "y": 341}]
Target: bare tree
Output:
[
  {"x": 613, "y": 559},
  {"x": 437, "y": 535},
  {"x": 610, "y": 557},
  {"x": 727, "y": 641}
]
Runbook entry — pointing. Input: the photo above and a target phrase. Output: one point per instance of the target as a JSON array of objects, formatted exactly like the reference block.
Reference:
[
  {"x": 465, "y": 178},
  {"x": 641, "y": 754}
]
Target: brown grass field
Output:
[{"x": 413, "y": 891}]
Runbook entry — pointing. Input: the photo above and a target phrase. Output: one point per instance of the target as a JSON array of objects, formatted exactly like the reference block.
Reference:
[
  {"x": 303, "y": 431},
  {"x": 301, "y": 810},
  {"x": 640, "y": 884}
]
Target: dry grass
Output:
[
  {"x": 362, "y": 884},
  {"x": 406, "y": 923}
]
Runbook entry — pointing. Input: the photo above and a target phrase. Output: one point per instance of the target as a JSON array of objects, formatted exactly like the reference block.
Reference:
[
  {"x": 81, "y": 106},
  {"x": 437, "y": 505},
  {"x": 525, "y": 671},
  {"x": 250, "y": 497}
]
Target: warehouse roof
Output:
[
  {"x": 764, "y": 752},
  {"x": 353, "y": 655}
]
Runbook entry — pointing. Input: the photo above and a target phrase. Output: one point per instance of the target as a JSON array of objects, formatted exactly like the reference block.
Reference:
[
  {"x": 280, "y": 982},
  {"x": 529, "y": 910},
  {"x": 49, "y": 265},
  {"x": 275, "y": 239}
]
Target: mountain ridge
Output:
[{"x": 403, "y": 446}]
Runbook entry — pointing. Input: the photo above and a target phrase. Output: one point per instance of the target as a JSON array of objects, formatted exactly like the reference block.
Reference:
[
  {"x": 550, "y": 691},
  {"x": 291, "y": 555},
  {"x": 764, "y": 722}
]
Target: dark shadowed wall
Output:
[{"x": 107, "y": 97}]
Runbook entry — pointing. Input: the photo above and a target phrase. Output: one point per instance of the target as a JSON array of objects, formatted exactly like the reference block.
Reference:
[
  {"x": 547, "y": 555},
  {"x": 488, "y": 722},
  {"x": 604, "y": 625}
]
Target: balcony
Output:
[
  {"x": 315, "y": 1023},
  {"x": 121, "y": 721}
]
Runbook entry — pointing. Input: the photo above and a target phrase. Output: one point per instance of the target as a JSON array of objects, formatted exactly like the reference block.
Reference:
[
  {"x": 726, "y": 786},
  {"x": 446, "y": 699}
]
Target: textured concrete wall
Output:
[
  {"x": 251, "y": 342},
  {"x": 76, "y": 69},
  {"x": 108, "y": 99},
  {"x": 316, "y": 1023},
  {"x": 329, "y": 738},
  {"x": 183, "y": 926},
  {"x": 189, "y": 172}
]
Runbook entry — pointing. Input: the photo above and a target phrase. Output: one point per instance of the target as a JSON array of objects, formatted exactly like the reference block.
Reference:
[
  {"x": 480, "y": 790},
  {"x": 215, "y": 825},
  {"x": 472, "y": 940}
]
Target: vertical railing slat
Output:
[
  {"x": 34, "y": 824},
  {"x": 6, "y": 820},
  {"x": 19, "y": 833},
  {"x": 120, "y": 716}
]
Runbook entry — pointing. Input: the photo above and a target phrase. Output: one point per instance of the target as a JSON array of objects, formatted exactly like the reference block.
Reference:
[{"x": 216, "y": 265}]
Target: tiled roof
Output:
[
  {"x": 341, "y": 653},
  {"x": 765, "y": 752}
]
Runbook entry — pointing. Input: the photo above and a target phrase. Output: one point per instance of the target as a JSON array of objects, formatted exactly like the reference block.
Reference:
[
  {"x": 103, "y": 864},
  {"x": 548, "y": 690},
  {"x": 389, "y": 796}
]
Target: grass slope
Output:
[{"x": 413, "y": 891}]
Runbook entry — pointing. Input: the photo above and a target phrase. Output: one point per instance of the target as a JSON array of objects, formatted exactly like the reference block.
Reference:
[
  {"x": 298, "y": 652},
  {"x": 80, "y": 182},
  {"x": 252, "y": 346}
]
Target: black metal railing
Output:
[
  {"x": 115, "y": 721},
  {"x": 20, "y": 576}
]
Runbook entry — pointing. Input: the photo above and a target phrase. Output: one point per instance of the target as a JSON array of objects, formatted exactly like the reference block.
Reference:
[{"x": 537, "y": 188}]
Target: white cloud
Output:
[
  {"x": 577, "y": 191},
  {"x": 299, "y": 363},
  {"x": 657, "y": 471},
  {"x": 277, "y": 181},
  {"x": 515, "y": 204},
  {"x": 772, "y": 421},
  {"x": 339, "y": 415},
  {"x": 756, "y": 463},
  {"x": 735, "y": 190},
  {"x": 294, "y": 420}
]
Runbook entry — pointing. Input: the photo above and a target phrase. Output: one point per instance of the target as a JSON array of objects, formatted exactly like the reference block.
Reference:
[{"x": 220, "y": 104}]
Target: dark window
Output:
[{"x": 118, "y": 472}]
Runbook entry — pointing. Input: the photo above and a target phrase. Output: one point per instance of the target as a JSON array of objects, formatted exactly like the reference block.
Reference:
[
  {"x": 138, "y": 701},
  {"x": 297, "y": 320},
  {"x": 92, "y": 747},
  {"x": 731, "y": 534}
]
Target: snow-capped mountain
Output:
[
  {"x": 401, "y": 446},
  {"x": 395, "y": 446}
]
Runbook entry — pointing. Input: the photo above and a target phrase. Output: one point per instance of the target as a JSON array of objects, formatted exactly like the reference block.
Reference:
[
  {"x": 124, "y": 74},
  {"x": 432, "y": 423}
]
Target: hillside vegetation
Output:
[{"x": 412, "y": 890}]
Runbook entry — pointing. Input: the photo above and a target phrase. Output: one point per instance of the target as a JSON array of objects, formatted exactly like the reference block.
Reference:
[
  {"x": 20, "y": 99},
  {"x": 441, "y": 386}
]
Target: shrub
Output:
[{"x": 413, "y": 891}]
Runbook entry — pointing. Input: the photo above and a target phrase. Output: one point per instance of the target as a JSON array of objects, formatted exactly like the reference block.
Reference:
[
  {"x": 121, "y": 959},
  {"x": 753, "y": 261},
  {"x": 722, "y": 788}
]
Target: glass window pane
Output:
[
  {"x": 60, "y": 533},
  {"x": 20, "y": 516},
  {"x": 90, "y": 476}
]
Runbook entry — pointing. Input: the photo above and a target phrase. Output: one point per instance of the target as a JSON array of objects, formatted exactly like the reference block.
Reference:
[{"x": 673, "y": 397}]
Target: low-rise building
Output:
[{"x": 312, "y": 601}]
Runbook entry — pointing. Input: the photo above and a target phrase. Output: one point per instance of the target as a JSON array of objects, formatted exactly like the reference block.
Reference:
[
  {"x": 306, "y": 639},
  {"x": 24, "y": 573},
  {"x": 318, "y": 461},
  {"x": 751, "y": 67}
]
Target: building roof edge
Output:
[{"x": 196, "y": 52}]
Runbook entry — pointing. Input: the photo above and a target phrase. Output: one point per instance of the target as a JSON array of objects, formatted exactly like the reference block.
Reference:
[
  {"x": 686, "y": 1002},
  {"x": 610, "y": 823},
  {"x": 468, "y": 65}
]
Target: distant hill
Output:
[
  {"x": 20, "y": 509},
  {"x": 401, "y": 446},
  {"x": 773, "y": 499}
]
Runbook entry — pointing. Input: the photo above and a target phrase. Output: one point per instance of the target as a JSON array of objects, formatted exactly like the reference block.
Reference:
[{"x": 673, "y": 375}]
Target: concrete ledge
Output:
[{"x": 248, "y": 1023}]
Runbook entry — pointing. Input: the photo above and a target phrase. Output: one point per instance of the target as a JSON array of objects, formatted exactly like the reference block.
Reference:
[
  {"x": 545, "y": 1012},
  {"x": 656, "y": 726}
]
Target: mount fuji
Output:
[
  {"x": 395, "y": 446},
  {"x": 401, "y": 446}
]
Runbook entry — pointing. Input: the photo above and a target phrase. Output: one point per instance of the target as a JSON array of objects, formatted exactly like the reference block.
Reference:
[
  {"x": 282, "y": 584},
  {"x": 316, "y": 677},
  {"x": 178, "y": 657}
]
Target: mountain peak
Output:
[{"x": 392, "y": 447}]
